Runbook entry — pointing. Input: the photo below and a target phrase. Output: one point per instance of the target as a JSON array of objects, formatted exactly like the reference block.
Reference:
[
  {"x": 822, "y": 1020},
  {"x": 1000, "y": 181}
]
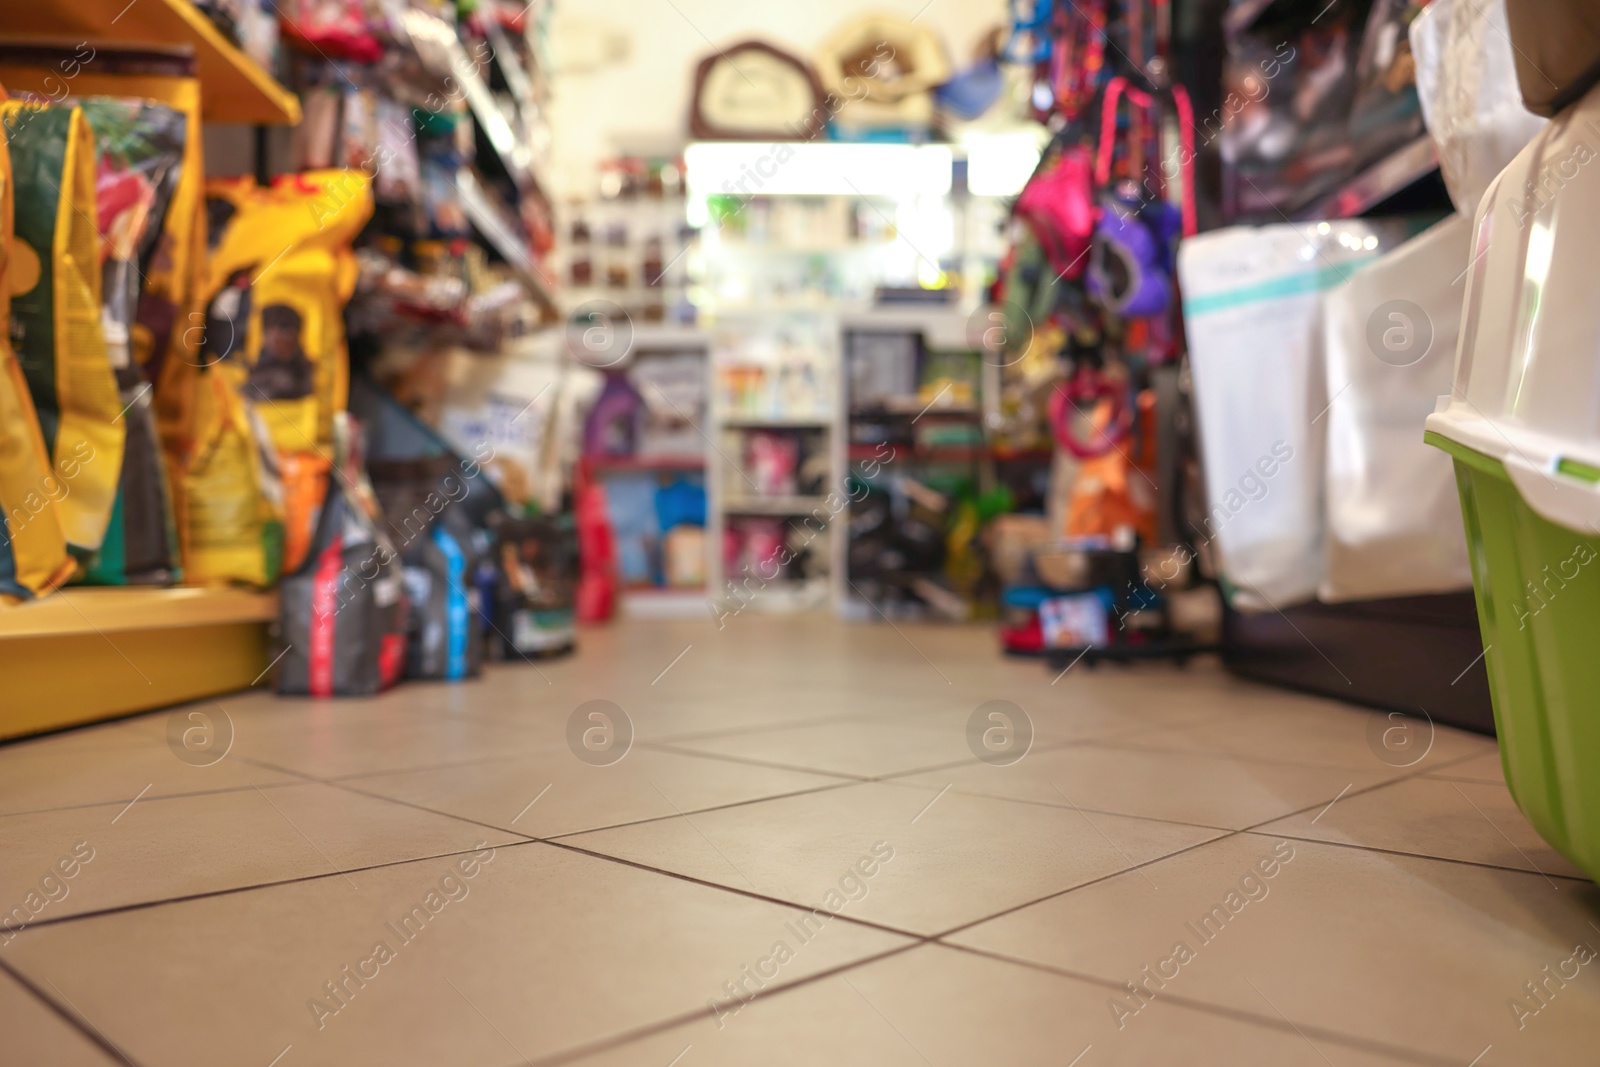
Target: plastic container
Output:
[{"x": 1523, "y": 426}]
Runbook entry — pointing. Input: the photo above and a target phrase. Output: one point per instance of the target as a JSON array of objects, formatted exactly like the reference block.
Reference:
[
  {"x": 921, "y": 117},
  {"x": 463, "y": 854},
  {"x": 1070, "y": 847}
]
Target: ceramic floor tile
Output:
[
  {"x": 103, "y": 765},
  {"x": 1323, "y": 734},
  {"x": 550, "y": 953},
  {"x": 35, "y": 1034},
  {"x": 1415, "y": 953},
  {"x": 157, "y": 849},
  {"x": 955, "y": 858},
  {"x": 937, "y": 1007},
  {"x": 331, "y": 745},
  {"x": 540, "y": 950},
  {"x": 548, "y": 793},
  {"x": 1459, "y": 820},
  {"x": 1183, "y": 787}
]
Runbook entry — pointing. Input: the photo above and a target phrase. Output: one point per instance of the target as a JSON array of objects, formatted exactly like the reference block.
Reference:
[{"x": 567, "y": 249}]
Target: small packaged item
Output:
[{"x": 1079, "y": 621}]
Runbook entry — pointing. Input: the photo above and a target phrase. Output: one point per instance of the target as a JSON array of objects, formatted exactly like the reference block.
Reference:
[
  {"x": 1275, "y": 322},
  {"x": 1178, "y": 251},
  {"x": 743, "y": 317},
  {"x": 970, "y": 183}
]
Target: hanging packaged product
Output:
[
  {"x": 231, "y": 521},
  {"x": 343, "y": 614},
  {"x": 33, "y": 549},
  {"x": 139, "y": 148},
  {"x": 55, "y": 312},
  {"x": 280, "y": 274}
]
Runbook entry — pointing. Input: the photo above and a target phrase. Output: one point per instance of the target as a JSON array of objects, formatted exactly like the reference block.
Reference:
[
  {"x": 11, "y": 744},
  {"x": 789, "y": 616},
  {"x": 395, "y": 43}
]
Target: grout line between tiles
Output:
[
  {"x": 661, "y": 1026},
  {"x": 1161, "y": 859},
  {"x": 1355, "y": 1041},
  {"x": 752, "y": 894},
  {"x": 660, "y": 746},
  {"x": 1358, "y": 847},
  {"x": 827, "y": 788},
  {"x": 70, "y": 1015},
  {"x": 1063, "y": 807},
  {"x": 143, "y": 905},
  {"x": 149, "y": 798},
  {"x": 737, "y": 731},
  {"x": 1274, "y": 761}
]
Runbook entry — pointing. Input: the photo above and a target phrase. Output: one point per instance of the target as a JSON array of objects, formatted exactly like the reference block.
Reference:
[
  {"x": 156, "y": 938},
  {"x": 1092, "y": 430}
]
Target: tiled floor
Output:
[{"x": 799, "y": 859}]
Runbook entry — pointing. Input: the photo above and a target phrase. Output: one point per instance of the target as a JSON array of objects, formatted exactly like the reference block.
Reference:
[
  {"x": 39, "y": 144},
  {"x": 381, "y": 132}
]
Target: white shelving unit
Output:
[{"x": 751, "y": 339}]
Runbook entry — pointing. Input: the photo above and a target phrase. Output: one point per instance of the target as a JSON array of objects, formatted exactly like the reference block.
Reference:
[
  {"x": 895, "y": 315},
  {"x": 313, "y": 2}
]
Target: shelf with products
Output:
[
  {"x": 774, "y": 420},
  {"x": 1390, "y": 175},
  {"x": 234, "y": 87},
  {"x": 626, "y": 243},
  {"x": 924, "y": 476}
]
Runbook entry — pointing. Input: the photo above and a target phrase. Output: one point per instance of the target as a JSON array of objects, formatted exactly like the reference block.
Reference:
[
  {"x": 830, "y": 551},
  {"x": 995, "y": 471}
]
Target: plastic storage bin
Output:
[{"x": 1523, "y": 426}]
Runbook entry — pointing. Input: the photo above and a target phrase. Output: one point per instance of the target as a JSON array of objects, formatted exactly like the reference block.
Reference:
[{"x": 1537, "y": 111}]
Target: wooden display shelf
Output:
[
  {"x": 234, "y": 87},
  {"x": 85, "y": 654}
]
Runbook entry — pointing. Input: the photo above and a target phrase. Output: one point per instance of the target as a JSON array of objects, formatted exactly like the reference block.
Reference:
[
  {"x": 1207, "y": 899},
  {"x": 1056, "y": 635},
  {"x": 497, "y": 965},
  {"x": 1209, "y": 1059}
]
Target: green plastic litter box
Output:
[{"x": 1522, "y": 424}]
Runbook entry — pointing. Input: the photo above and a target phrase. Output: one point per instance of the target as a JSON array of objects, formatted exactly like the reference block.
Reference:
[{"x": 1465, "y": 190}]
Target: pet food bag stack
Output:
[{"x": 142, "y": 106}]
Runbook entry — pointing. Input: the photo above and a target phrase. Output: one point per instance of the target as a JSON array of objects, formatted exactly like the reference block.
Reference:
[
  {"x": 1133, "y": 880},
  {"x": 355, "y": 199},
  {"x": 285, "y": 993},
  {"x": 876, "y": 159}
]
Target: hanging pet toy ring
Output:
[{"x": 1081, "y": 396}]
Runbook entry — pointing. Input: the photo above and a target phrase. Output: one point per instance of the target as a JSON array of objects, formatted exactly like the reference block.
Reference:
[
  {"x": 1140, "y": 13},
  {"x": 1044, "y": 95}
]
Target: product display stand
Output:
[{"x": 166, "y": 646}]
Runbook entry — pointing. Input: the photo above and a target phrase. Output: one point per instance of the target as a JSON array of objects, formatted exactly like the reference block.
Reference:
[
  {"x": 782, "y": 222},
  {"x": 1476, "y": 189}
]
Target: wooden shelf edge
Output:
[
  {"x": 56, "y": 680},
  {"x": 234, "y": 87},
  {"x": 80, "y": 610}
]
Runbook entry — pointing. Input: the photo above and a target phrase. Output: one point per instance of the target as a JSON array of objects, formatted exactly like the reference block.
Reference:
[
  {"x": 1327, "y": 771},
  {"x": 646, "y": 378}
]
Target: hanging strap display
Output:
[{"x": 1146, "y": 105}]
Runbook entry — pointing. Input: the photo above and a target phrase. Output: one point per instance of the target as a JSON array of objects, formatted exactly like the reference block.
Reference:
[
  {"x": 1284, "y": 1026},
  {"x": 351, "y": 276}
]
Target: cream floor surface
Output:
[{"x": 799, "y": 860}]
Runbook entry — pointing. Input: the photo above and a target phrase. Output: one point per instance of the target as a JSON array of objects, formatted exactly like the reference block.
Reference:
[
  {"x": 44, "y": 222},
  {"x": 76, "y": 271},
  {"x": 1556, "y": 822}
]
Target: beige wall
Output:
[{"x": 623, "y": 68}]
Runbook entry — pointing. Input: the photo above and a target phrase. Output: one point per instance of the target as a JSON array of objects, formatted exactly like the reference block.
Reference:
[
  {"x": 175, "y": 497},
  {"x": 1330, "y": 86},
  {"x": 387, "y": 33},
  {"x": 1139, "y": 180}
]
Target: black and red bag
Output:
[{"x": 344, "y": 612}]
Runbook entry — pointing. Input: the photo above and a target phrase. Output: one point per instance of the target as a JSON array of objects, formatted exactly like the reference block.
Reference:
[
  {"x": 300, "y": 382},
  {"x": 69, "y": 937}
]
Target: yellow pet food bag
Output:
[
  {"x": 33, "y": 549},
  {"x": 232, "y": 516},
  {"x": 169, "y": 322},
  {"x": 279, "y": 276},
  {"x": 54, "y": 273}
]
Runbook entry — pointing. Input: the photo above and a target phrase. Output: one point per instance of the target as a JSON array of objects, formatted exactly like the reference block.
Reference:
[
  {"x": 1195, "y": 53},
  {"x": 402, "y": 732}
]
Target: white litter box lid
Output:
[{"x": 1527, "y": 378}]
